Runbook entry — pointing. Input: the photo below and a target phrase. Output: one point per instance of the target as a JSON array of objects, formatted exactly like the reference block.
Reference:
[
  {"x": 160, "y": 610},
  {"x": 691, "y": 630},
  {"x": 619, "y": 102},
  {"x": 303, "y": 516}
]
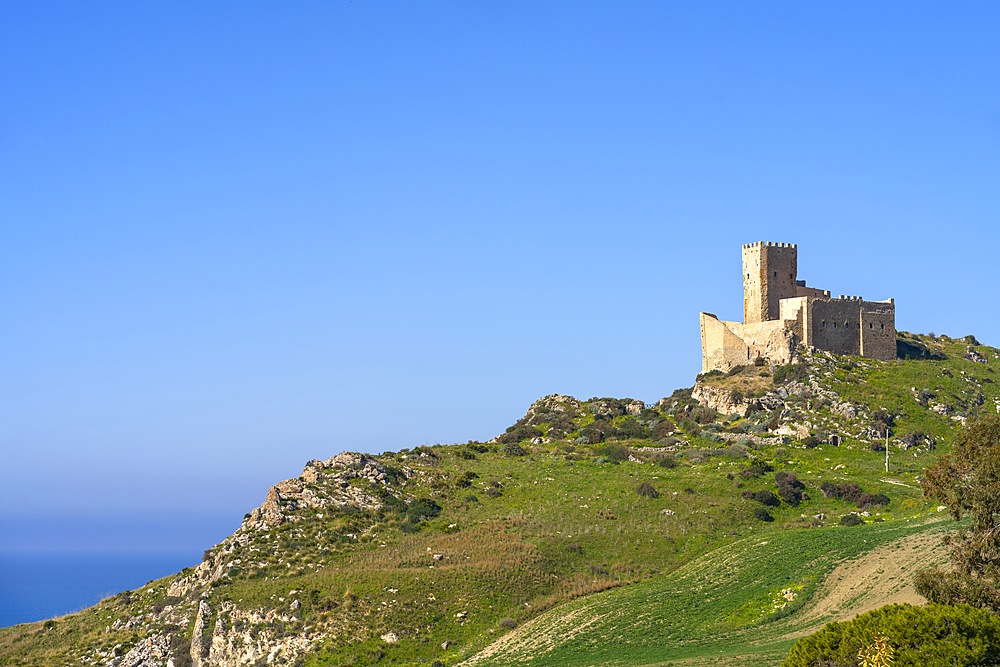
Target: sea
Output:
[
  {"x": 52, "y": 566},
  {"x": 40, "y": 585}
]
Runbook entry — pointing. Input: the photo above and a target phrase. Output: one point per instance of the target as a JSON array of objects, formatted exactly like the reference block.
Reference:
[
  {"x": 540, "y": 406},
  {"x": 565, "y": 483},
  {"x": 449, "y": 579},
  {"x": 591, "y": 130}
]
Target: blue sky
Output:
[{"x": 242, "y": 236}]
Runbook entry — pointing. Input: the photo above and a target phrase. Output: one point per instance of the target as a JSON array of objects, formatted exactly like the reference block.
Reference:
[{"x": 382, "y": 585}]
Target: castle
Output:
[{"x": 780, "y": 313}]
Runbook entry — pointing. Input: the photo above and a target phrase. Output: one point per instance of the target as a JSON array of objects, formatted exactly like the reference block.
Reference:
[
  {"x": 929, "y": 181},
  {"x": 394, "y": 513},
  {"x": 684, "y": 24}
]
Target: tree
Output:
[
  {"x": 967, "y": 481},
  {"x": 931, "y": 636}
]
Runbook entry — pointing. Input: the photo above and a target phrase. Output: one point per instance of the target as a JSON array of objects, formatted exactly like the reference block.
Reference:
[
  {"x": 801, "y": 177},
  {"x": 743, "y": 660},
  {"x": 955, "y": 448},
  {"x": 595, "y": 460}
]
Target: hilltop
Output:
[{"x": 703, "y": 525}]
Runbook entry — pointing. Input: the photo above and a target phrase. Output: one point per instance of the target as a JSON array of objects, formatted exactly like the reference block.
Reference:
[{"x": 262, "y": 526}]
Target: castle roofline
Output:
[{"x": 769, "y": 244}]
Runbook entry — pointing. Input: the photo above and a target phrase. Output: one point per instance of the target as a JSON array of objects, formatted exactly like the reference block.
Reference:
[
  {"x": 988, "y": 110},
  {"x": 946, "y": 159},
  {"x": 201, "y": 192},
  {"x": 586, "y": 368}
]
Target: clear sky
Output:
[{"x": 239, "y": 236}]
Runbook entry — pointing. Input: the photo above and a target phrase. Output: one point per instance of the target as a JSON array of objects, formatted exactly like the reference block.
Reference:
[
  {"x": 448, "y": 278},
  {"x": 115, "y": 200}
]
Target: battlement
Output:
[
  {"x": 768, "y": 244},
  {"x": 780, "y": 312}
]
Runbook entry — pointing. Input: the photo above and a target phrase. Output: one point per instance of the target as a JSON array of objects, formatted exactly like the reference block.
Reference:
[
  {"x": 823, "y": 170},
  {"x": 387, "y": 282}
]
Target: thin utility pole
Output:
[{"x": 887, "y": 451}]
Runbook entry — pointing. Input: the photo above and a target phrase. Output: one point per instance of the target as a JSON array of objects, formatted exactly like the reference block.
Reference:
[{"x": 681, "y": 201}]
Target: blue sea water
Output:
[{"x": 40, "y": 585}]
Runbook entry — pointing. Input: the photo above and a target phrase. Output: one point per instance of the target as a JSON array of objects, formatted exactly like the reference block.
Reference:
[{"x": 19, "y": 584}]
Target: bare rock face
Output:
[
  {"x": 199, "y": 643},
  {"x": 254, "y": 636},
  {"x": 722, "y": 400},
  {"x": 154, "y": 650},
  {"x": 322, "y": 484}
]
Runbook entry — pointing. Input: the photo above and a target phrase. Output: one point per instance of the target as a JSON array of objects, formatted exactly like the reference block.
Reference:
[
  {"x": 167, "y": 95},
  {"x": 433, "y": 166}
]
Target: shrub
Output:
[
  {"x": 519, "y": 432},
  {"x": 465, "y": 481},
  {"x": 789, "y": 373},
  {"x": 756, "y": 469},
  {"x": 767, "y": 498},
  {"x": 848, "y": 491},
  {"x": 703, "y": 415},
  {"x": 633, "y": 428},
  {"x": 513, "y": 449},
  {"x": 647, "y": 490},
  {"x": 666, "y": 461},
  {"x": 934, "y": 635},
  {"x": 789, "y": 488},
  {"x": 422, "y": 509},
  {"x": 851, "y": 520},
  {"x": 574, "y": 548},
  {"x": 869, "y": 500},
  {"x": 596, "y": 432},
  {"x": 613, "y": 452},
  {"x": 663, "y": 429},
  {"x": 507, "y": 623},
  {"x": 762, "y": 514}
]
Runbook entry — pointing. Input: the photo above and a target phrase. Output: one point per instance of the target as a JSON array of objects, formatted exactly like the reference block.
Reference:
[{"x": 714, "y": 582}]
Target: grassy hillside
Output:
[{"x": 669, "y": 528}]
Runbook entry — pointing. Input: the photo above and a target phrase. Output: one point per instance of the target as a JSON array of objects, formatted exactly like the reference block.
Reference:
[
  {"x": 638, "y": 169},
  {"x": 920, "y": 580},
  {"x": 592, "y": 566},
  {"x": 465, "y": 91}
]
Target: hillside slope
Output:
[{"x": 430, "y": 555}]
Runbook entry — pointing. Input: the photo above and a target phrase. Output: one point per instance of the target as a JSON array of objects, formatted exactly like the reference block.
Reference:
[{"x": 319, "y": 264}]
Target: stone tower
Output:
[{"x": 769, "y": 271}]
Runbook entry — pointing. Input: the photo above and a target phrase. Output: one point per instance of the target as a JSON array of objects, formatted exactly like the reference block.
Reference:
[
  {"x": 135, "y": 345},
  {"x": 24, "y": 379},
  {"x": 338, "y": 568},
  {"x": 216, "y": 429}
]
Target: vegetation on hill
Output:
[
  {"x": 428, "y": 556},
  {"x": 932, "y": 636},
  {"x": 967, "y": 481}
]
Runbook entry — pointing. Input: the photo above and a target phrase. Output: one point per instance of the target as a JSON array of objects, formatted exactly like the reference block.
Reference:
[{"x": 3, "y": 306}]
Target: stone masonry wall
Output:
[
  {"x": 769, "y": 271},
  {"x": 726, "y": 345},
  {"x": 878, "y": 329},
  {"x": 836, "y": 325}
]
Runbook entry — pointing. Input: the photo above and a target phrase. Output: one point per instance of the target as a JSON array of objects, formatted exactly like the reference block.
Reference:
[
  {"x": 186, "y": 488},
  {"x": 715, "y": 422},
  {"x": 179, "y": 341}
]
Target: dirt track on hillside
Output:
[{"x": 880, "y": 577}]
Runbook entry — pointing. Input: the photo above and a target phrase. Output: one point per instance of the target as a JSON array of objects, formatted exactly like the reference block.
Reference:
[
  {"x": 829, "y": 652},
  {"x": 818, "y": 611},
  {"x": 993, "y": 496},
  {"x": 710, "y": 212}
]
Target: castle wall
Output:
[
  {"x": 802, "y": 290},
  {"x": 878, "y": 329},
  {"x": 796, "y": 315},
  {"x": 836, "y": 325},
  {"x": 769, "y": 271},
  {"x": 725, "y": 345}
]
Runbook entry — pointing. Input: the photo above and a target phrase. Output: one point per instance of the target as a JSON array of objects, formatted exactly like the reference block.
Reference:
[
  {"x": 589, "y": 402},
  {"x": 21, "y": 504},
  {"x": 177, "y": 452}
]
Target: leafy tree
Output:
[
  {"x": 931, "y": 636},
  {"x": 967, "y": 481}
]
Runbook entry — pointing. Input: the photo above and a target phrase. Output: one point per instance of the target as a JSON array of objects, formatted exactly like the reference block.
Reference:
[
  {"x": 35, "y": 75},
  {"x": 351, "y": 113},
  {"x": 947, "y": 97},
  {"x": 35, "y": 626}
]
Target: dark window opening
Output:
[{"x": 775, "y": 274}]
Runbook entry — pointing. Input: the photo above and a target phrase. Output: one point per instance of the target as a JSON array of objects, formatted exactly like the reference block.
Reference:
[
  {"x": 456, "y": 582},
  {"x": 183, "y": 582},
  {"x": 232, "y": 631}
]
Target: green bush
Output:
[
  {"x": 422, "y": 509},
  {"x": 647, "y": 490},
  {"x": 613, "y": 452},
  {"x": 513, "y": 449},
  {"x": 931, "y": 636},
  {"x": 851, "y": 520},
  {"x": 519, "y": 432},
  {"x": 762, "y": 514}
]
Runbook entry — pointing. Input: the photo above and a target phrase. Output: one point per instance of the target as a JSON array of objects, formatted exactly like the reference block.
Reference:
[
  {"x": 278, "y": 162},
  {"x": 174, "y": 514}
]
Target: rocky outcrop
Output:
[
  {"x": 347, "y": 479},
  {"x": 148, "y": 652},
  {"x": 249, "y": 637},
  {"x": 721, "y": 400}
]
